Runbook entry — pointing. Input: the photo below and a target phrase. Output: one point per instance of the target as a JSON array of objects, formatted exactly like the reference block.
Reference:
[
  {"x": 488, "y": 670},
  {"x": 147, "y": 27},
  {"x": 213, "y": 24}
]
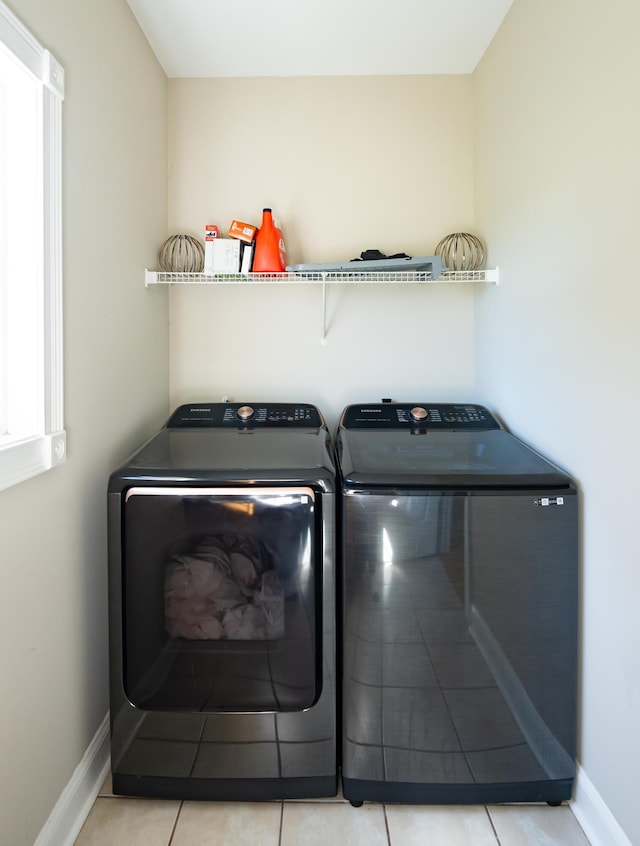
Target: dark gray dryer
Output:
[
  {"x": 222, "y": 607},
  {"x": 459, "y": 597}
]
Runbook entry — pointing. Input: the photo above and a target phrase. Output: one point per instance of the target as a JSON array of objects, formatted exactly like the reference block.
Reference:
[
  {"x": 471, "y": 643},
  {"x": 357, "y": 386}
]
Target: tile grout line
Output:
[
  {"x": 386, "y": 824},
  {"x": 175, "y": 824},
  {"x": 493, "y": 828},
  {"x": 281, "y": 823}
]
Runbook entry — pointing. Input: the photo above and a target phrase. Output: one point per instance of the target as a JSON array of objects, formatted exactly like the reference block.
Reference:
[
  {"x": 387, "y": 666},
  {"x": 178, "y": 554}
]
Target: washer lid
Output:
[
  {"x": 461, "y": 459},
  {"x": 240, "y": 454}
]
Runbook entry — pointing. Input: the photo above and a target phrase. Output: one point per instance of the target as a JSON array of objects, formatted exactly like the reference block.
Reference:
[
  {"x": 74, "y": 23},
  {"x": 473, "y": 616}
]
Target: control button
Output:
[
  {"x": 245, "y": 412},
  {"x": 419, "y": 413}
]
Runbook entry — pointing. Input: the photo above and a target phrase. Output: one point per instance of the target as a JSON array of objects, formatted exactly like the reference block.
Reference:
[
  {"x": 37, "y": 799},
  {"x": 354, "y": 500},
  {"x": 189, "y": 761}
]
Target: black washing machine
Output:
[
  {"x": 222, "y": 607},
  {"x": 459, "y": 609}
]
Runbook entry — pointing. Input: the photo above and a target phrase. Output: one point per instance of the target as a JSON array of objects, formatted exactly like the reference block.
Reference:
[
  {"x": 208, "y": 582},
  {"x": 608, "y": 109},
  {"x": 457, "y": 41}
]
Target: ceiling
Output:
[{"x": 221, "y": 38}]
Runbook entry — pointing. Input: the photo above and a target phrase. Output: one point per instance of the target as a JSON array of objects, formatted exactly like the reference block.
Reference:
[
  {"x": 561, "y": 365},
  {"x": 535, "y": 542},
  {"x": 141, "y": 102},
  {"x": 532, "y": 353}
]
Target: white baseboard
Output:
[
  {"x": 594, "y": 816},
  {"x": 76, "y": 800}
]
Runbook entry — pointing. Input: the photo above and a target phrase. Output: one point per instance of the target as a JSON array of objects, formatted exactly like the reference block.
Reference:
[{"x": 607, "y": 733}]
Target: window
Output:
[{"x": 32, "y": 437}]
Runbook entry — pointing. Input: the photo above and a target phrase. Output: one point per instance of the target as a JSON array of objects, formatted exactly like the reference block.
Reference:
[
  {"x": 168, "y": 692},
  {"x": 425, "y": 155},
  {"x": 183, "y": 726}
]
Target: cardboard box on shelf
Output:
[
  {"x": 211, "y": 233},
  {"x": 243, "y": 231}
]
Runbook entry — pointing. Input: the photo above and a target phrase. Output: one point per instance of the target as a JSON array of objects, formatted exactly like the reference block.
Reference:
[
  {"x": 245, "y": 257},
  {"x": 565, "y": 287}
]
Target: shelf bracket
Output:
[{"x": 323, "y": 339}]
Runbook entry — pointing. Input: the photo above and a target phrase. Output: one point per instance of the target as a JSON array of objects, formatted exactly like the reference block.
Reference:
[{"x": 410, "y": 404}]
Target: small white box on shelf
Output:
[
  {"x": 226, "y": 255},
  {"x": 247, "y": 258}
]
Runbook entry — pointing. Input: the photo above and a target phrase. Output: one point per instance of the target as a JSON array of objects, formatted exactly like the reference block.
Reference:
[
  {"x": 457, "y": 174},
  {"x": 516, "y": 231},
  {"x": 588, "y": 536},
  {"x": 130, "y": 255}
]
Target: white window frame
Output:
[{"x": 25, "y": 454}]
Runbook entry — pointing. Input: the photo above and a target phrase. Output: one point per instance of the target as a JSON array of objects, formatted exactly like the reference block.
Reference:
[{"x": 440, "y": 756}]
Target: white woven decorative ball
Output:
[
  {"x": 181, "y": 254},
  {"x": 461, "y": 251}
]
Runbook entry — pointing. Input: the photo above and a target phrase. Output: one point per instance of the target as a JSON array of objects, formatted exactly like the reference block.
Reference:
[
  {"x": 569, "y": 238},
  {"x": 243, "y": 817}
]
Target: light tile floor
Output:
[{"x": 114, "y": 821}]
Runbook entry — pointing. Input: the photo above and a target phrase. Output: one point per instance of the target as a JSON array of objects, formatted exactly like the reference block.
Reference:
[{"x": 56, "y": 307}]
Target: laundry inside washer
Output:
[
  {"x": 222, "y": 607},
  {"x": 459, "y": 548}
]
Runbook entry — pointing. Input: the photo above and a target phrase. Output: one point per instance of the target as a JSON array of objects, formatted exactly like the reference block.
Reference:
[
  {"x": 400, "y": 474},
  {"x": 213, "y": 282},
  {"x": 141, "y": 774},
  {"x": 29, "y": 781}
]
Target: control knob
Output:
[
  {"x": 418, "y": 413},
  {"x": 245, "y": 412}
]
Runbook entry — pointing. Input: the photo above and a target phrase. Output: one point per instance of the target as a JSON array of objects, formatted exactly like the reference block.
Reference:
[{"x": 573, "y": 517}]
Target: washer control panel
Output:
[
  {"x": 418, "y": 415},
  {"x": 229, "y": 415}
]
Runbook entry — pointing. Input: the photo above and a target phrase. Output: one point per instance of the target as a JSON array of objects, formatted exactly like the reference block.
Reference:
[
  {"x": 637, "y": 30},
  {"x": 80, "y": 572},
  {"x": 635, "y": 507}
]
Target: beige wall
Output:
[
  {"x": 557, "y": 175},
  {"x": 53, "y": 605},
  {"x": 347, "y": 164}
]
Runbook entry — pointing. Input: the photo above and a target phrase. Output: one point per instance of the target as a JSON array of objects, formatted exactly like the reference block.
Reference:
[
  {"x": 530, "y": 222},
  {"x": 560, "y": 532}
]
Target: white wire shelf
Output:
[{"x": 159, "y": 277}]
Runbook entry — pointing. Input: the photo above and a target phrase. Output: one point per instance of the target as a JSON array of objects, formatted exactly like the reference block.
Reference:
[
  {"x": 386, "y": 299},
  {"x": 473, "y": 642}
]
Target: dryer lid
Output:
[{"x": 443, "y": 459}]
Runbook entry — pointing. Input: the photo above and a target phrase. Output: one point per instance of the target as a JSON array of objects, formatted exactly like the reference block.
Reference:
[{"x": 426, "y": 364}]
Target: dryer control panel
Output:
[
  {"x": 229, "y": 415},
  {"x": 422, "y": 415}
]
